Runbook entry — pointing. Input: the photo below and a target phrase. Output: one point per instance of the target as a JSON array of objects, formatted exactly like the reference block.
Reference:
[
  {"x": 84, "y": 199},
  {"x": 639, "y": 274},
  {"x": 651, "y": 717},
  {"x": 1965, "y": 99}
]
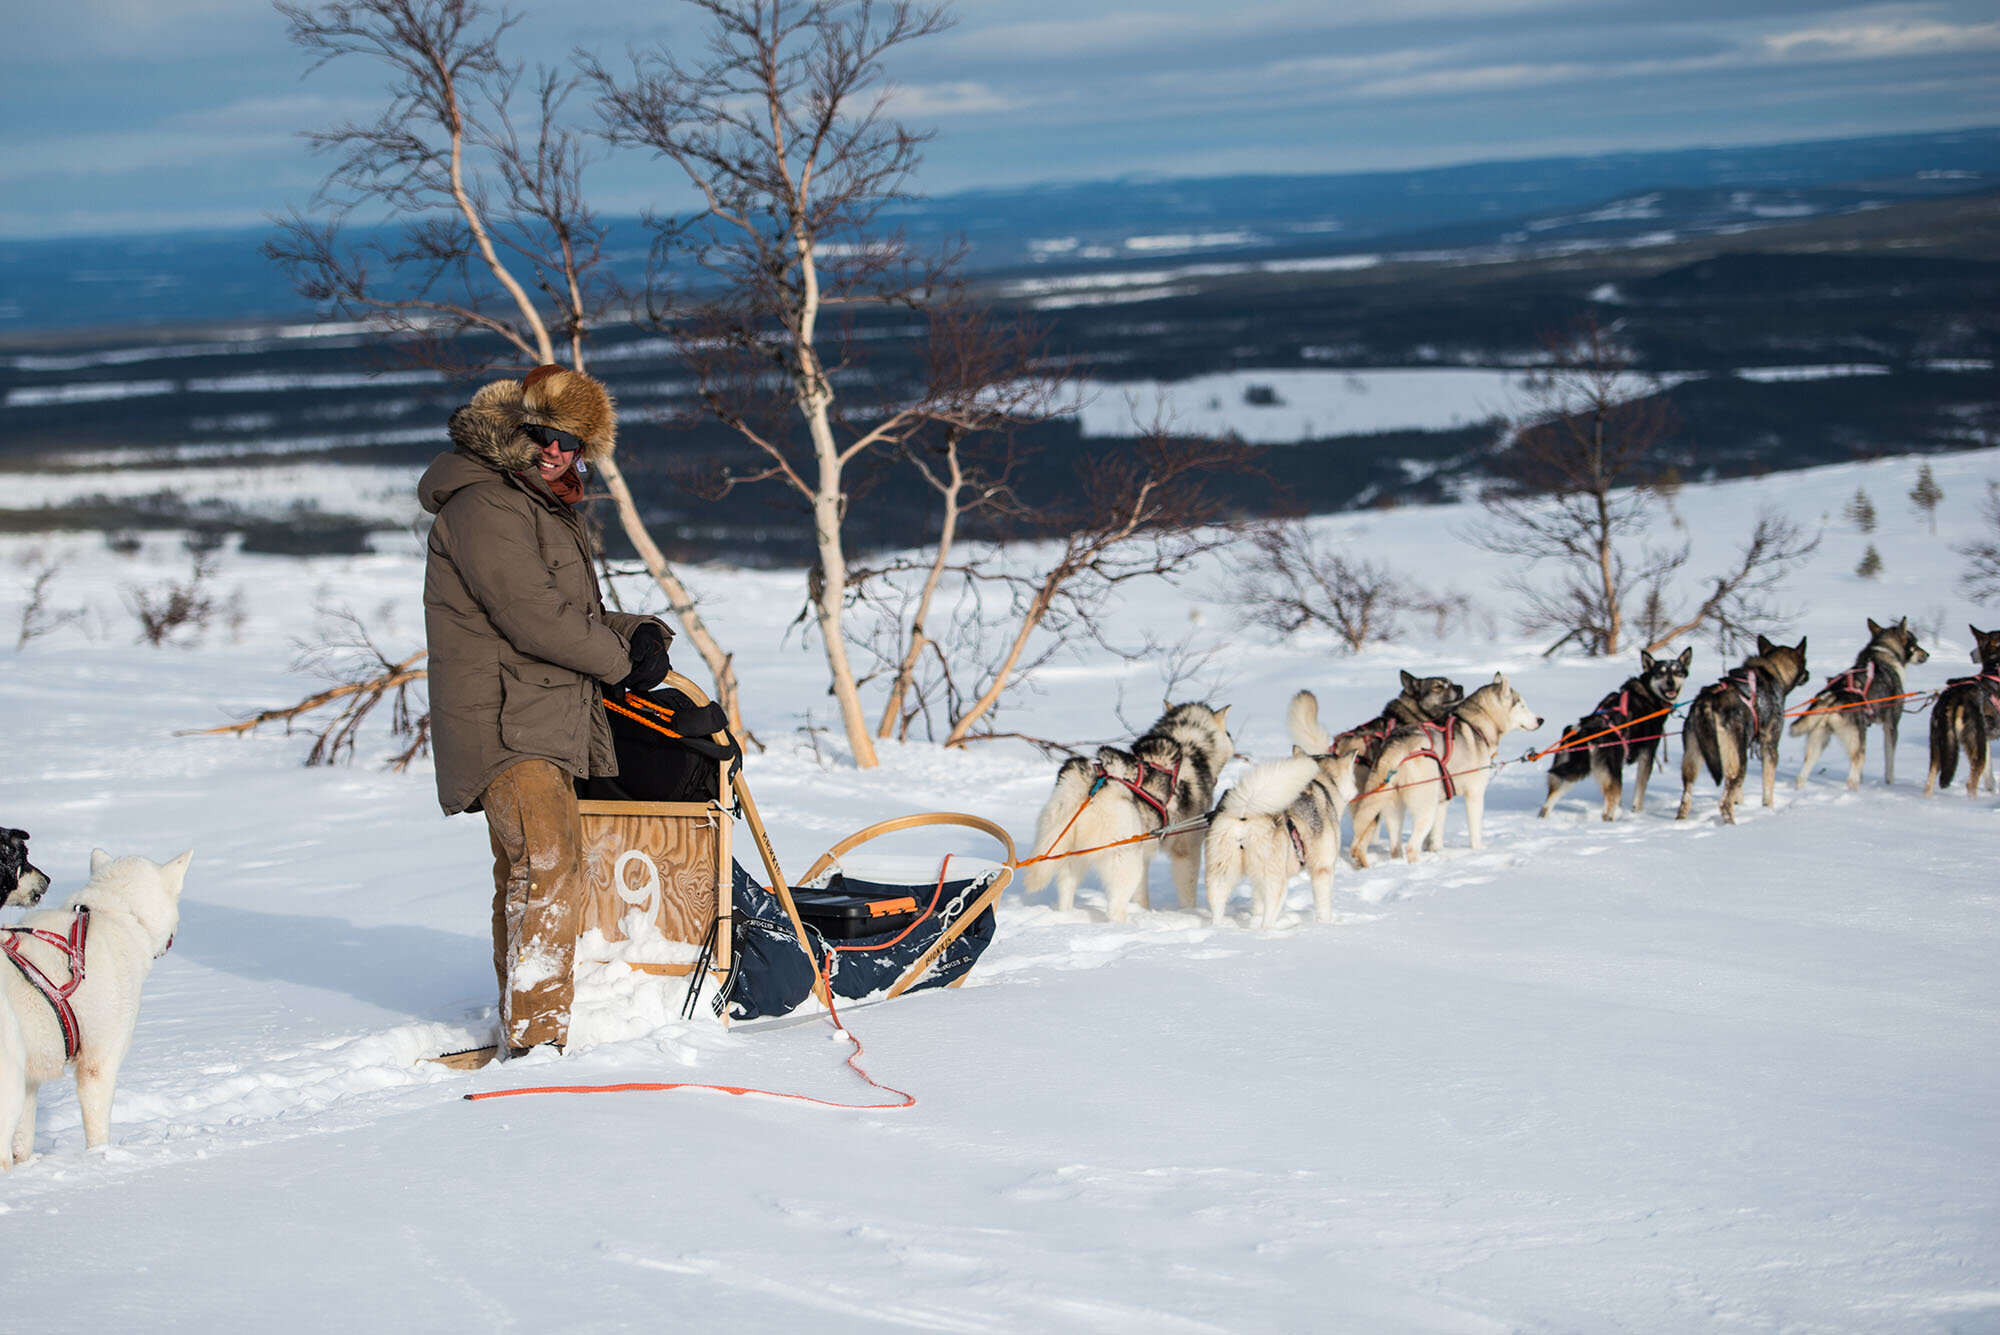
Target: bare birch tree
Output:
[
  {"x": 1980, "y": 580},
  {"x": 1133, "y": 515},
  {"x": 1289, "y": 579},
  {"x": 783, "y": 128},
  {"x": 494, "y": 235},
  {"x": 985, "y": 380},
  {"x": 1573, "y": 507}
]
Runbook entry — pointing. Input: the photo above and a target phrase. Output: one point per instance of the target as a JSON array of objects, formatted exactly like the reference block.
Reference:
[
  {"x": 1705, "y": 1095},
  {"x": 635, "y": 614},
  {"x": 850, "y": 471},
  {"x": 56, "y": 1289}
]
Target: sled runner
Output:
[{"x": 657, "y": 842}]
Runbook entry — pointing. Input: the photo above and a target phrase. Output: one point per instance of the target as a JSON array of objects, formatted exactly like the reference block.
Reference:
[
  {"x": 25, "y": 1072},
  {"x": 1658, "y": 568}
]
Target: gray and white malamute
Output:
[
  {"x": 1280, "y": 819},
  {"x": 1966, "y": 718},
  {"x": 1624, "y": 729},
  {"x": 1166, "y": 779},
  {"x": 1869, "y": 692},
  {"x": 1747, "y": 706},
  {"x": 1422, "y": 768}
]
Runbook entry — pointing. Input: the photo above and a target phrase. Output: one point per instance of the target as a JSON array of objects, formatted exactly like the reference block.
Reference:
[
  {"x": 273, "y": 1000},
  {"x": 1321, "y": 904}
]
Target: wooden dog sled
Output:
[{"x": 760, "y": 949}]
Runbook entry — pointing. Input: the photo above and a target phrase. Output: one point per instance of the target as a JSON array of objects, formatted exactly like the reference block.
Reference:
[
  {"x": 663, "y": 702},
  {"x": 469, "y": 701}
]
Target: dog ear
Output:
[
  {"x": 1222, "y": 717},
  {"x": 1802, "y": 646},
  {"x": 1409, "y": 682},
  {"x": 1904, "y": 624},
  {"x": 1646, "y": 661},
  {"x": 1499, "y": 679},
  {"x": 1764, "y": 646},
  {"x": 1686, "y": 658},
  {"x": 177, "y": 869},
  {"x": 99, "y": 860},
  {"x": 1873, "y": 629}
]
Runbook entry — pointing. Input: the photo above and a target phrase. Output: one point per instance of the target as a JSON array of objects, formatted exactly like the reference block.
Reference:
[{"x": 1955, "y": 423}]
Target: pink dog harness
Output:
[{"x": 57, "y": 997}]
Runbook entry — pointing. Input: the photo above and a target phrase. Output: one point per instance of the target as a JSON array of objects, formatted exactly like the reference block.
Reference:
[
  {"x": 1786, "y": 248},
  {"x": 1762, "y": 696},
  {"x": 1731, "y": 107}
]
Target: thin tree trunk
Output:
[
  {"x": 815, "y": 399},
  {"x": 1031, "y": 619},
  {"x": 899, "y": 690}
]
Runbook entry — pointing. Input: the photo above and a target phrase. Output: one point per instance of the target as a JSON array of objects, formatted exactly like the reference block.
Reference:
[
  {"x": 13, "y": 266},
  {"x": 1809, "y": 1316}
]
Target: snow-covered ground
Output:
[{"x": 1645, "y": 1076}]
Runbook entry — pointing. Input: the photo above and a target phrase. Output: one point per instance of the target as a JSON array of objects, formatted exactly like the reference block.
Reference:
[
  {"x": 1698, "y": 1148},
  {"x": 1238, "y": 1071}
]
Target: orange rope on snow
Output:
[{"x": 904, "y": 1098}]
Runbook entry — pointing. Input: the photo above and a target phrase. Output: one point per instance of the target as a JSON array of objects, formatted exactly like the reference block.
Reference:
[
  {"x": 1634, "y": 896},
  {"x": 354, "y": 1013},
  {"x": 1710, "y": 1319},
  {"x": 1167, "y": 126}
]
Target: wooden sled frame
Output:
[{"x": 780, "y": 886}]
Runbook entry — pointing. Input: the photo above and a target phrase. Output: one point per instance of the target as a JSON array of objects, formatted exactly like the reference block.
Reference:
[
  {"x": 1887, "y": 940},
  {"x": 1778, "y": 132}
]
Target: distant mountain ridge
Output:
[{"x": 194, "y": 278}]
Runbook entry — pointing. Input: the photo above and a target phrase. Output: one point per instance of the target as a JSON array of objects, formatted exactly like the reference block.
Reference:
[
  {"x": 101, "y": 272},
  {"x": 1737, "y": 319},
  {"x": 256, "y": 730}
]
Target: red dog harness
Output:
[
  {"x": 57, "y": 997},
  {"x": 1443, "y": 761},
  {"x": 1173, "y": 781}
]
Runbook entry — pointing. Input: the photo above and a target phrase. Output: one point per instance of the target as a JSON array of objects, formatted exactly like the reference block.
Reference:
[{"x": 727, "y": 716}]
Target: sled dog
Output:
[
  {"x": 118, "y": 923},
  {"x": 21, "y": 882},
  {"x": 1966, "y": 718},
  {"x": 1281, "y": 819},
  {"x": 1624, "y": 729},
  {"x": 1869, "y": 692},
  {"x": 1166, "y": 779},
  {"x": 1422, "y": 768},
  {"x": 1746, "y": 706},
  {"x": 1424, "y": 700}
]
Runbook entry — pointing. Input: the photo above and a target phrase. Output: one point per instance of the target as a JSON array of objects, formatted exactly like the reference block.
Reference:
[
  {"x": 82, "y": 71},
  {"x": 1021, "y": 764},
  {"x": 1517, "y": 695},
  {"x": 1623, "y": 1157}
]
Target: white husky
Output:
[
  {"x": 1111, "y": 804},
  {"x": 1422, "y": 768},
  {"x": 130, "y": 908},
  {"x": 1283, "y": 818}
]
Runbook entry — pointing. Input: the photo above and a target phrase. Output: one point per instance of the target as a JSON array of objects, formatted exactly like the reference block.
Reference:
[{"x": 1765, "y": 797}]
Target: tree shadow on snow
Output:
[{"x": 413, "y": 970}]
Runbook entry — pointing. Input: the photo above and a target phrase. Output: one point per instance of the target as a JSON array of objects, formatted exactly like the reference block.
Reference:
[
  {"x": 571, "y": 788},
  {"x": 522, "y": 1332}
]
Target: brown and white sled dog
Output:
[
  {"x": 1966, "y": 718},
  {"x": 130, "y": 907},
  {"x": 1422, "y": 768},
  {"x": 1280, "y": 819},
  {"x": 1869, "y": 692},
  {"x": 1624, "y": 729},
  {"x": 1747, "y": 706},
  {"x": 1166, "y": 779}
]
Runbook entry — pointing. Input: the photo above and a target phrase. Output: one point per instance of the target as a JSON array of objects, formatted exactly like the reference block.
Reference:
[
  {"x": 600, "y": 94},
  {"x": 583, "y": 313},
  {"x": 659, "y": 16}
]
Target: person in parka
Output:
[{"x": 521, "y": 648}]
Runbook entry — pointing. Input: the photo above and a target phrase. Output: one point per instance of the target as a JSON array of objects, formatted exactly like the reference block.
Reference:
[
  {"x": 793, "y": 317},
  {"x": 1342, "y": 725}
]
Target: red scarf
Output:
[{"x": 568, "y": 486}]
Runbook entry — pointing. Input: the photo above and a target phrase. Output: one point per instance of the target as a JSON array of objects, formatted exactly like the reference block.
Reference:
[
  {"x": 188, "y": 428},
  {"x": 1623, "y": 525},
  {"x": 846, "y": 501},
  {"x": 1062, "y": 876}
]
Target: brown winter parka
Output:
[{"x": 520, "y": 641}]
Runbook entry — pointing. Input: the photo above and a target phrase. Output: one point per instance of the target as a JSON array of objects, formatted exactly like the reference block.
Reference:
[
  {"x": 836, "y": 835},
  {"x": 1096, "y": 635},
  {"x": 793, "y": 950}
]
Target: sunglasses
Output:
[{"x": 546, "y": 436}]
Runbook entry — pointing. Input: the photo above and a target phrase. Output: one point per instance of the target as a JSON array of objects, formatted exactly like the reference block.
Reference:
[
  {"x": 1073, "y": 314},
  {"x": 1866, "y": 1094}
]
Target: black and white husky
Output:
[
  {"x": 1282, "y": 818},
  {"x": 1625, "y": 729},
  {"x": 1966, "y": 718},
  {"x": 1746, "y": 707},
  {"x": 1096, "y": 816},
  {"x": 1869, "y": 692},
  {"x": 21, "y": 882}
]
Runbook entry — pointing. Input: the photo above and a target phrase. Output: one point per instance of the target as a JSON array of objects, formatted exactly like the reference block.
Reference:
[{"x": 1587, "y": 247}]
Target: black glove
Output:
[{"x": 649, "y": 659}]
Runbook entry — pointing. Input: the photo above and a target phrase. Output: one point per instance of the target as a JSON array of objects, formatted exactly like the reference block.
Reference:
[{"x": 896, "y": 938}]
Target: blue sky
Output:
[{"x": 133, "y": 115}]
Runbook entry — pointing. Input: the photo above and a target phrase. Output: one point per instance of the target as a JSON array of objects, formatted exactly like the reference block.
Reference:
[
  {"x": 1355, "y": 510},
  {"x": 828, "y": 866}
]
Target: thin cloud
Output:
[
  {"x": 1881, "y": 41},
  {"x": 940, "y": 100}
]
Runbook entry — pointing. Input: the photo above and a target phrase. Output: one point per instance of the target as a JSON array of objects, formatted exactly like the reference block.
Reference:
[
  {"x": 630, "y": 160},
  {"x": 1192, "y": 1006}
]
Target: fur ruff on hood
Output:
[{"x": 489, "y": 427}]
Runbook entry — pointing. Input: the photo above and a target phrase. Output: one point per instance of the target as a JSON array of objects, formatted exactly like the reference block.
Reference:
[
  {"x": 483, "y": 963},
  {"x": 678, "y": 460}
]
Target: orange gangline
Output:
[
  {"x": 1566, "y": 744},
  {"x": 1858, "y": 704}
]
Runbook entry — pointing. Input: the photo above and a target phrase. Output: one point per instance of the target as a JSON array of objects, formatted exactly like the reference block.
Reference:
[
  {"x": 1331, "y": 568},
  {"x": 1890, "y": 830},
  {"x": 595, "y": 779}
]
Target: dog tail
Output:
[
  {"x": 1074, "y": 782},
  {"x": 1704, "y": 735},
  {"x": 1815, "y": 714},
  {"x": 1222, "y": 850},
  {"x": 1302, "y": 720},
  {"x": 1944, "y": 740},
  {"x": 1270, "y": 788}
]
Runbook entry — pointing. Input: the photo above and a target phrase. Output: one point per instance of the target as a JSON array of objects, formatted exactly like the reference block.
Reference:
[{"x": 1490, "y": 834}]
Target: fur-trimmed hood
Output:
[{"x": 489, "y": 427}]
